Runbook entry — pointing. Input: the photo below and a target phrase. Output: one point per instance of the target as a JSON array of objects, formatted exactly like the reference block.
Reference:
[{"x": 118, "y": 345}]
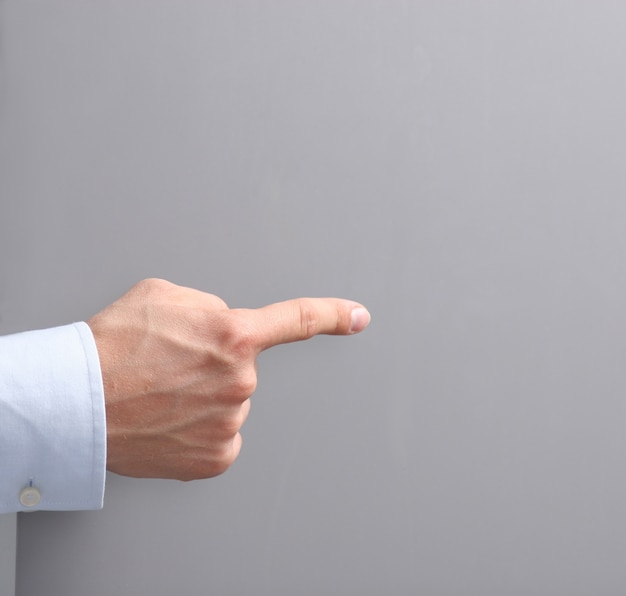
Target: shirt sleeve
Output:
[{"x": 52, "y": 421}]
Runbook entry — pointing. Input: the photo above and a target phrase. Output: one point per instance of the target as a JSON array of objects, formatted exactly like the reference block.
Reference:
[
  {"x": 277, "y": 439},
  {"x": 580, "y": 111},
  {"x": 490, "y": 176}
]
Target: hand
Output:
[{"x": 179, "y": 368}]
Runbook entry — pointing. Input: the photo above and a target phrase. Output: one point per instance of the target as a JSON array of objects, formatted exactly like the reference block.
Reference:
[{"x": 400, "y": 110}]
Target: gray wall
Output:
[
  {"x": 459, "y": 167},
  {"x": 7, "y": 554}
]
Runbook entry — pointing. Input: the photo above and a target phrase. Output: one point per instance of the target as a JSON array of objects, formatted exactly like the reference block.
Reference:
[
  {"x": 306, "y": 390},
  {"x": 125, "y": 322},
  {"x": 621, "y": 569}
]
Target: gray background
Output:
[
  {"x": 7, "y": 554},
  {"x": 459, "y": 167}
]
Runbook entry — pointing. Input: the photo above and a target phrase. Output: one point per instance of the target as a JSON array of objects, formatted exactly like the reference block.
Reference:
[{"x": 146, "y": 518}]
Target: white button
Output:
[{"x": 30, "y": 497}]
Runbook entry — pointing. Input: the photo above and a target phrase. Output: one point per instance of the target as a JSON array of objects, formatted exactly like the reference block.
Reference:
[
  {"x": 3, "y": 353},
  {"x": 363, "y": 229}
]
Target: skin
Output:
[{"x": 179, "y": 368}]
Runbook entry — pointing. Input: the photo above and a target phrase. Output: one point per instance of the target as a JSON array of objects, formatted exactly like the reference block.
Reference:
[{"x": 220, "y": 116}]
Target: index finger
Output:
[{"x": 302, "y": 318}]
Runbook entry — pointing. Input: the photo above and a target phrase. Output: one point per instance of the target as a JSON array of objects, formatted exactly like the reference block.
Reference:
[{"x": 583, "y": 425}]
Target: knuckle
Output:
[
  {"x": 153, "y": 285},
  {"x": 213, "y": 459},
  {"x": 343, "y": 321},
  {"x": 238, "y": 336},
  {"x": 228, "y": 422},
  {"x": 244, "y": 384},
  {"x": 230, "y": 425},
  {"x": 221, "y": 466},
  {"x": 215, "y": 302},
  {"x": 308, "y": 318},
  {"x": 226, "y": 459}
]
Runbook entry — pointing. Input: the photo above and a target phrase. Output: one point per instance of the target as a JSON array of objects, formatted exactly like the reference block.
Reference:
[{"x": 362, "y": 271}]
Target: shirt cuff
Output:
[{"x": 52, "y": 421}]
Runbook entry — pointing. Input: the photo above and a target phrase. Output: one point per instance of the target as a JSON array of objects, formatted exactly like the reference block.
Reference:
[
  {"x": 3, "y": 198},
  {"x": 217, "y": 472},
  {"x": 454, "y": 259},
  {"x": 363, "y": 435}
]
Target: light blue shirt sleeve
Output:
[{"x": 52, "y": 421}]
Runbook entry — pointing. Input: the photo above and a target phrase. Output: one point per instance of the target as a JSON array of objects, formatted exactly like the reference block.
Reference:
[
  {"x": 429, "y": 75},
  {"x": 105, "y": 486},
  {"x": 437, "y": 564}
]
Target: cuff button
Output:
[{"x": 30, "y": 497}]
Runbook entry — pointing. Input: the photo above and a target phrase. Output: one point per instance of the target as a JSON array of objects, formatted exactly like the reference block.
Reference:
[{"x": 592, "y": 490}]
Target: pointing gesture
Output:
[
  {"x": 300, "y": 319},
  {"x": 179, "y": 368}
]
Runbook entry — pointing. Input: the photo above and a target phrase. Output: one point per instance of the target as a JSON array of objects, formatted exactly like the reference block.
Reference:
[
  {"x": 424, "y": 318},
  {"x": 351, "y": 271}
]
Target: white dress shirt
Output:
[{"x": 52, "y": 421}]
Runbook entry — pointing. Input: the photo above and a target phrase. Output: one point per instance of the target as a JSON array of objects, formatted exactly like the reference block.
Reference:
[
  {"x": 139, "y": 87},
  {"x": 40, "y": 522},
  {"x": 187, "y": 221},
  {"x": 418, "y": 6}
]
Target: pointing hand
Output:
[{"x": 179, "y": 368}]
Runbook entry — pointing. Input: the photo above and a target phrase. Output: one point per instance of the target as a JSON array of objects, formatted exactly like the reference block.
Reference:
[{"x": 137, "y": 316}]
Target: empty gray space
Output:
[
  {"x": 7, "y": 557},
  {"x": 459, "y": 167}
]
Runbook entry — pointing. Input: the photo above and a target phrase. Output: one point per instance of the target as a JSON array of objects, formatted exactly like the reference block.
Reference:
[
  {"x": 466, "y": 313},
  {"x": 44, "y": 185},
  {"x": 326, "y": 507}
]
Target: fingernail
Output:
[{"x": 360, "y": 319}]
